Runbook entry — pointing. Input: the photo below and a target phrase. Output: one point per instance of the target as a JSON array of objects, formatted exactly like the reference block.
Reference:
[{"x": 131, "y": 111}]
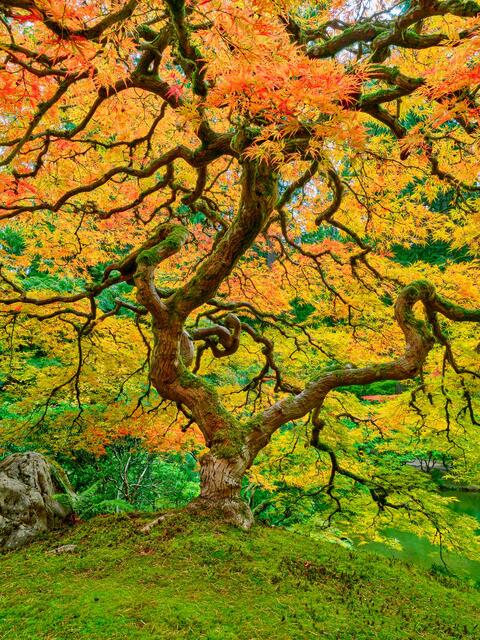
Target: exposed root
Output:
[
  {"x": 229, "y": 510},
  {"x": 148, "y": 527}
]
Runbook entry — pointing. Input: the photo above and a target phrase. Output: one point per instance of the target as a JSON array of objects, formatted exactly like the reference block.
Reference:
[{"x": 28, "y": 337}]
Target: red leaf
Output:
[
  {"x": 33, "y": 16},
  {"x": 175, "y": 91}
]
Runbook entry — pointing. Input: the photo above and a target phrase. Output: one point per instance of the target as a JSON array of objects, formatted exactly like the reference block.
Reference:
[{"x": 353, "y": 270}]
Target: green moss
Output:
[
  {"x": 172, "y": 243},
  {"x": 464, "y": 7},
  {"x": 177, "y": 8},
  {"x": 198, "y": 85},
  {"x": 392, "y": 72},
  {"x": 458, "y": 312},
  {"x": 195, "y": 578},
  {"x": 188, "y": 379},
  {"x": 239, "y": 140},
  {"x": 376, "y": 96},
  {"x": 149, "y": 257},
  {"x": 175, "y": 238},
  {"x": 60, "y": 477},
  {"x": 229, "y": 440},
  {"x": 147, "y": 32}
]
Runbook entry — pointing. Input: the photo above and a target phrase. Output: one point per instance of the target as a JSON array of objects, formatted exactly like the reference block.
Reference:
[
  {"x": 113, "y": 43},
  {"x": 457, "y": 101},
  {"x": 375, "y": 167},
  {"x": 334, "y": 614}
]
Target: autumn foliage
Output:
[{"x": 262, "y": 180}]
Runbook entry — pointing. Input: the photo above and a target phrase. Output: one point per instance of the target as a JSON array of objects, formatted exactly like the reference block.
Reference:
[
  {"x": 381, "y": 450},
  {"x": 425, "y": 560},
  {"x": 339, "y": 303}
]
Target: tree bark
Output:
[
  {"x": 220, "y": 485},
  {"x": 223, "y": 467},
  {"x": 233, "y": 442}
]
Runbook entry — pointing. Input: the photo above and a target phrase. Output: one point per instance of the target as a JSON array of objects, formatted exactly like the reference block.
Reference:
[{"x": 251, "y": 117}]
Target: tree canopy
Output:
[{"x": 252, "y": 226}]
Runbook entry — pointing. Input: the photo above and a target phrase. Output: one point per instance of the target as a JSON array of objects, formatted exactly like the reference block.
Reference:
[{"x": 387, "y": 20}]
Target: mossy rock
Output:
[{"x": 29, "y": 484}]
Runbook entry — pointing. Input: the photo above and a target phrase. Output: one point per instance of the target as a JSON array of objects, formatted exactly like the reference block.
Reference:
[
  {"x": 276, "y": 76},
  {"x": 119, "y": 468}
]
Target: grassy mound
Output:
[{"x": 197, "y": 580}]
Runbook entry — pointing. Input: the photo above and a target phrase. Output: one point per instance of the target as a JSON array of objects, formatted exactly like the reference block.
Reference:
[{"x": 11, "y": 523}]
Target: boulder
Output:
[{"x": 28, "y": 484}]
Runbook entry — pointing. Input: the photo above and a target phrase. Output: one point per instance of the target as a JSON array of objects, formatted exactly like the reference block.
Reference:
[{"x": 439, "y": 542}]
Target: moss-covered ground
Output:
[{"x": 198, "y": 580}]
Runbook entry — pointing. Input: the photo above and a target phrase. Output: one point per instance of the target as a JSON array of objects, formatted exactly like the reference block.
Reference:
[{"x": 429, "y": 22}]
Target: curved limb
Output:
[
  {"x": 169, "y": 239},
  {"x": 228, "y": 336},
  {"x": 419, "y": 340}
]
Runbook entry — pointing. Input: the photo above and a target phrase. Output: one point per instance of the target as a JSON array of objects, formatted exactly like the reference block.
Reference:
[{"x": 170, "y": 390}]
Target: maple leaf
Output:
[
  {"x": 33, "y": 15},
  {"x": 210, "y": 216},
  {"x": 175, "y": 91}
]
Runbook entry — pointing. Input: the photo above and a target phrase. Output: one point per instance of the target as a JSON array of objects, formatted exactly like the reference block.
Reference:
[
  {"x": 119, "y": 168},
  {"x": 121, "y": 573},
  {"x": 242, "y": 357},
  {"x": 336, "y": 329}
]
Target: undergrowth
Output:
[{"x": 194, "y": 579}]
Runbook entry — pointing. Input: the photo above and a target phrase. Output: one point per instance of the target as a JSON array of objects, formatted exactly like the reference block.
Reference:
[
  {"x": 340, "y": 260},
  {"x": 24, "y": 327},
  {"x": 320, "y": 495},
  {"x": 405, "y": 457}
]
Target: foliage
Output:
[
  {"x": 211, "y": 215},
  {"x": 127, "y": 477}
]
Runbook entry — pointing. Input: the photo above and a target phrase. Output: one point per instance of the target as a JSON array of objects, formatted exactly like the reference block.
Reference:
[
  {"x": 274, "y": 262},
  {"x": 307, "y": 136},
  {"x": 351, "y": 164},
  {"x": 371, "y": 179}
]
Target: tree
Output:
[{"x": 231, "y": 164}]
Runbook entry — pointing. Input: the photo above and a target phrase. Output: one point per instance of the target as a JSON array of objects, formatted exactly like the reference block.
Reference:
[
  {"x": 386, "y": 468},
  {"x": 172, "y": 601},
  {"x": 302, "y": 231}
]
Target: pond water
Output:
[{"x": 422, "y": 552}]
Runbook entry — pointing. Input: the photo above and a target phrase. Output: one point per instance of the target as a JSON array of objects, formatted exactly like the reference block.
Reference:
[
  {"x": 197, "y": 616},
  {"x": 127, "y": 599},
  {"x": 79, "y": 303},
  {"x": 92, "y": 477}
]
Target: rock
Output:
[
  {"x": 28, "y": 484},
  {"x": 64, "y": 548},
  {"x": 426, "y": 465}
]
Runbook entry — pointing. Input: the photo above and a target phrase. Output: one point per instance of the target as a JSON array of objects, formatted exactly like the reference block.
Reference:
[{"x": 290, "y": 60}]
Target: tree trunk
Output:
[{"x": 220, "y": 484}]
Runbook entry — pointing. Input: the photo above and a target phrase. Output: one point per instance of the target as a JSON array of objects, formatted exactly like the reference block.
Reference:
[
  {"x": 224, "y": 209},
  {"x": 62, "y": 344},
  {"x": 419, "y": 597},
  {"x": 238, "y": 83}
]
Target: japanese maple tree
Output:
[{"x": 224, "y": 186}]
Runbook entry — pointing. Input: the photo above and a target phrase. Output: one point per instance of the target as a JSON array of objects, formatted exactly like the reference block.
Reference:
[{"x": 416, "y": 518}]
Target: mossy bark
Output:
[
  {"x": 220, "y": 484},
  {"x": 233, "y": 444},
  {"x": 223, "y": 468}
]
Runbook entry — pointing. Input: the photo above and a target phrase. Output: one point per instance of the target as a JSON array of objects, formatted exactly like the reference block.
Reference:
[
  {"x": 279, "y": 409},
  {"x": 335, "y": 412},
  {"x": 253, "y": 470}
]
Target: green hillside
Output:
[{"x": 197, "y": 580}]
